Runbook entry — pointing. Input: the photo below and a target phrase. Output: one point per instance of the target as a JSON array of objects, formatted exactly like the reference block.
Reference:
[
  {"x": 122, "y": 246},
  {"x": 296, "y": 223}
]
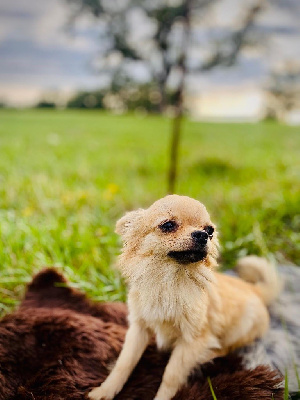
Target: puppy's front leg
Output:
[
  {"x": 183, "y": 360},
  {"x": 136, "y": 341}
]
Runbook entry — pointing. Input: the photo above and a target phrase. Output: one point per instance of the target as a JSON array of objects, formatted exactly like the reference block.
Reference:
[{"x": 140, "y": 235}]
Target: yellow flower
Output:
[
  {"x": 27, "y": 211},
  {"x": 82, "y": 194},
  {"x": 67, "y": 198},
  {"x": 110, "y": 191}
]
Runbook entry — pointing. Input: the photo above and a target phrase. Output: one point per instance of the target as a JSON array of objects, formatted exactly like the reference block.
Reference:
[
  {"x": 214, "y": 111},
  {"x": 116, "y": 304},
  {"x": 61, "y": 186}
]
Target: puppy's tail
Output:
[{"x": 262, "y": 274}]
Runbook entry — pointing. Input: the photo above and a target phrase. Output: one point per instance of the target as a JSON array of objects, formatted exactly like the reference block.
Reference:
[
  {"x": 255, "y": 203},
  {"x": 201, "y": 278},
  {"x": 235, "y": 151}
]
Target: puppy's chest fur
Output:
[{"x": 173, "y": 305}]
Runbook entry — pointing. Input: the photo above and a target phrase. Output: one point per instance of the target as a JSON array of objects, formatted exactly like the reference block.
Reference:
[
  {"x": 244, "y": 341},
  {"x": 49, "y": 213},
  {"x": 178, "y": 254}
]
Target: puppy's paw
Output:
[{"x": 102, "y": 392}]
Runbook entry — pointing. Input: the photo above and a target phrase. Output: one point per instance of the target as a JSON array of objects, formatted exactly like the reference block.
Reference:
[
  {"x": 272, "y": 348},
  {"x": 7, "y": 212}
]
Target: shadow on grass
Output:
[{"x": 217, "y": 168}]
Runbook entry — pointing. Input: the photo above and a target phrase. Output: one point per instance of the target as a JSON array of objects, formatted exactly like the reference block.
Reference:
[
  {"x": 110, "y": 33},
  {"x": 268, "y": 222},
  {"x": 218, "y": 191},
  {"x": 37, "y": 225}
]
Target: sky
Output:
[
  {"x": 37, "y": 53},
  {"x": 39, "y": 56}
]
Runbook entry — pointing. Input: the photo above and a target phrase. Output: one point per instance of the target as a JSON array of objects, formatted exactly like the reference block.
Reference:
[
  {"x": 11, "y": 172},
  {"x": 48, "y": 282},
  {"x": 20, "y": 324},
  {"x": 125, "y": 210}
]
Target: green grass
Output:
[
  {"x": 211, "y": 389},
  {"x": 286, "y": 386},
  {"x": 67, "y": 176}
]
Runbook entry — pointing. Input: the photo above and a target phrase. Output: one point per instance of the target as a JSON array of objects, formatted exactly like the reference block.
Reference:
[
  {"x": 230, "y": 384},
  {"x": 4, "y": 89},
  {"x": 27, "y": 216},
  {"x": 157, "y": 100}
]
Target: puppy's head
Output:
[{"x": 174, "y": 229}]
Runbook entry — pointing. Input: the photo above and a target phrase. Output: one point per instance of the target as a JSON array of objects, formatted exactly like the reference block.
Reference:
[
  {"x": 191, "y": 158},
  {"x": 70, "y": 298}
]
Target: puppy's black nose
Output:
[{"x": 200, "y": 237}]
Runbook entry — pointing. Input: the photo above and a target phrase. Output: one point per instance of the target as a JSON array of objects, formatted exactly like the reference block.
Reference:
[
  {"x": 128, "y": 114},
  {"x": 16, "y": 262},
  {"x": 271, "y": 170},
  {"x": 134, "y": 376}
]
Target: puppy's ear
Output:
[{"x": 128, "y": 221}]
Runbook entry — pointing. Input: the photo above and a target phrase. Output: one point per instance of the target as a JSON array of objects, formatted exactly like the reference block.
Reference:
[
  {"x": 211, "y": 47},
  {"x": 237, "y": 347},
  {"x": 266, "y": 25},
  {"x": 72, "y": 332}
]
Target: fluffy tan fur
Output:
[{"x": 192, "y": 310}]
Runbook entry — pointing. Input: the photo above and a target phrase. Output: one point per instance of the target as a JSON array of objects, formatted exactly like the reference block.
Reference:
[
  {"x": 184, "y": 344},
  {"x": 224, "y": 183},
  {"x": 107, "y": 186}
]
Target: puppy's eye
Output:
[
  {"x": 168, "y": 226},
  {"x": 209, "y": 230}
]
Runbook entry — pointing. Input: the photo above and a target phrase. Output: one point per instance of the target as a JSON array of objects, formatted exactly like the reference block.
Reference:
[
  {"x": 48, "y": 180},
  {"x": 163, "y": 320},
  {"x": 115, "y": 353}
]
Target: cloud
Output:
[
  {"x": 44, "y": 23},
  {"x": 37, "y": 53}
]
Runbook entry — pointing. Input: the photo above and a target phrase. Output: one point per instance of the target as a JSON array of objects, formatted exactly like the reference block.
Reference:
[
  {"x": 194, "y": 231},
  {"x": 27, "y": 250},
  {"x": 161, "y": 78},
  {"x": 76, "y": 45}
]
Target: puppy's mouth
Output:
[{"x": 188, "y": 256}]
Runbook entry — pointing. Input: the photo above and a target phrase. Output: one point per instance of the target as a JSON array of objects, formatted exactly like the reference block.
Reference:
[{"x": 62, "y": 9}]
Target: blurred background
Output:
[
  {"x": 243, "y": 60},
  {"x": 108, "y": 105}
]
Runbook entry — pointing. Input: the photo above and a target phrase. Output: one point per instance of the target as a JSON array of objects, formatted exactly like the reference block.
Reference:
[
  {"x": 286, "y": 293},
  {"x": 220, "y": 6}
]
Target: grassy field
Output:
[{"x": 67, "y": 176}]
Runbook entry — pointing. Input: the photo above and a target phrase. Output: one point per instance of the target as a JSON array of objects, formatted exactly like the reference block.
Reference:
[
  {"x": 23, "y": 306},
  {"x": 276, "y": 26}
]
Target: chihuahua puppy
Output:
[{"x": 168, "y": 259}]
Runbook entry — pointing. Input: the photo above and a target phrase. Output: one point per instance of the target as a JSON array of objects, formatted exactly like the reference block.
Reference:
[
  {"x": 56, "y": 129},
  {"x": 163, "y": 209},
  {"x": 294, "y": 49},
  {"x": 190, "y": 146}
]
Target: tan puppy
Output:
[{"x": 168, "y": 259}]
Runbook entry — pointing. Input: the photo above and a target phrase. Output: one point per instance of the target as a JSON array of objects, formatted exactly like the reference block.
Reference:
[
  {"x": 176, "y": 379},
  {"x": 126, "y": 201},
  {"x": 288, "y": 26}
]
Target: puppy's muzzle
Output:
[
  {"x": 196, "y": 253},
  {"x": 200, "y": 238}
]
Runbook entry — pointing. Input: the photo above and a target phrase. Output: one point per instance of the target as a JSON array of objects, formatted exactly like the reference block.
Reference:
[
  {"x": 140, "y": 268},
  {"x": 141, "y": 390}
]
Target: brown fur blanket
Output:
[{"x": 58, "y": 345}]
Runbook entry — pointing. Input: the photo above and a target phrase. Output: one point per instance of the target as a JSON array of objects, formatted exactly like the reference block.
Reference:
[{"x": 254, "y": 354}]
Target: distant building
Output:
[
  {"x": 236, "y": 104},
  {"x": 292, "y": 117}
]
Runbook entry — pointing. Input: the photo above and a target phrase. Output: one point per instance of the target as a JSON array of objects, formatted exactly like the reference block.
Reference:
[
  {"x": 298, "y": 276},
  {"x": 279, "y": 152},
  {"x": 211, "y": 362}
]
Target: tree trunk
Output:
[
  {"x": 179, "y": 106},
  {"x": 175, "y": 138}
]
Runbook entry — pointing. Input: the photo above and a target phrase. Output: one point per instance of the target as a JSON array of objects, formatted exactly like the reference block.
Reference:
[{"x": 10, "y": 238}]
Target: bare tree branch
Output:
[{"x": 227, "y": 55}]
